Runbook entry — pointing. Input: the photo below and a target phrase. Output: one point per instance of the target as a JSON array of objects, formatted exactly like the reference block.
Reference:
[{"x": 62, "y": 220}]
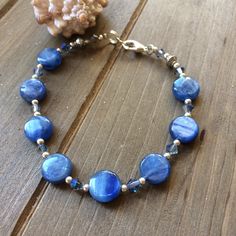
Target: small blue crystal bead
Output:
[
  {"x": 76, "y": 184},
  {"x": 172, "y": 148},
  {"x": 43, "y": 147},
  {"x": 65, "y": 47},
  {"x": 155, "y": 168},
  {"x": 38, "y": 127},
  {"x": 56, "y": 167},
  {"x": 134, "y": 185},
  {"x": 104, "y": 186},
  {"x": 50, "y": 58},
  {"x": 188, "y": 107},
  {"x": 183, "y": 128},
  {"x": 185, "y": 88},
  {"x": 33, "y": 89}
]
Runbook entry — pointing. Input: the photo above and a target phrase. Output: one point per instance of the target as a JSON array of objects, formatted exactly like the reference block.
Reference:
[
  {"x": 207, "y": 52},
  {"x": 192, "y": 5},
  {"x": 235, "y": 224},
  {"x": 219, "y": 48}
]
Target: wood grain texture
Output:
[
  {"x": 69, "y": 88},
  {"x": 5, "y": 6},
  {"x": 129, "y": 119}
]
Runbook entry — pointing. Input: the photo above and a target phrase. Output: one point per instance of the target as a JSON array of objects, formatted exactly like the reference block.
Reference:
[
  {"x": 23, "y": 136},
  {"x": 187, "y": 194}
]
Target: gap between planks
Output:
[
  {"x": 6, "y": 7},
  {"x": 71, "y": 133}
]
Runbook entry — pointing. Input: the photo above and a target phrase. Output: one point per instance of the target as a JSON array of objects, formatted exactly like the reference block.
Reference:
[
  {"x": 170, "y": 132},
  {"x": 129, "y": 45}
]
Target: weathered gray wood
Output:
[
  {"x": 129, "y": 118},
  {"x": 21, "y": 40}
]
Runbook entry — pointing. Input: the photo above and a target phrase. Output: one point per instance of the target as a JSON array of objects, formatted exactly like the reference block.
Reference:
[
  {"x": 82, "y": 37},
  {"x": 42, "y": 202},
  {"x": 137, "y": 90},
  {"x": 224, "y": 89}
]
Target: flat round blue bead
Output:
[
  {"x": 185, "y": 88},
  {"x": 155, "y": 168},
  {"x": 56, "y": 167},
  {"x": 33, "y": 89},
  {"x": 185, "y": 129},
  {"x": 104, "y": 186},
  {"x": 38, "y": 127},
  {"x": 50, "y": 58}
]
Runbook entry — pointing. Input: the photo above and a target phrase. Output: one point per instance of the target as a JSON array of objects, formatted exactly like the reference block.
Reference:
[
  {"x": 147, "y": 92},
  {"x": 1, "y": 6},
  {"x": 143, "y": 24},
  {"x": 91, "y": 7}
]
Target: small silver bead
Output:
[
  {"x": 182, "y": 74},
  {"x": 34, "y": 76},
  {"x": 45, "y": 154},
  {"x": 176, "y": 142},
  {"x": 37, "y": 113},
  {"x": 79, "y": 41},
  {"x": 167, "y": 155},
  {"x": 142, "y": 180},
  {"x": 58, "y": 49},
  {"x": 40, "y": 141},
  {"x": 188, "y": 101},
  {"x": 188, "y": 114},
  {"x": 68, "y": 179},
  {"x": 40, "y": 66},
  {"x": 85, "y": 187},
  {"x": 35, "y": 102},
  {"x": 176, "y": 65},
  {"x": 124, "y": 188}
]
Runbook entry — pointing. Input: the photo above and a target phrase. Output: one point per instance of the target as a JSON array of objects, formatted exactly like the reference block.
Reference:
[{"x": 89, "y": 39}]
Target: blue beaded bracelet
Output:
[{"x": 105, "y": 185}]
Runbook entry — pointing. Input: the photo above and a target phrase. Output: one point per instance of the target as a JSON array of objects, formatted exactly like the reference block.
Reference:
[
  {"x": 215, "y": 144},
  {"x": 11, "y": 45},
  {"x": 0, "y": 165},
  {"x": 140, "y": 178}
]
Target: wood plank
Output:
[
  {"x": 5, "y": 6},
  {"x": 129, "y": 119},
  {"x": 68, "y": 89}
]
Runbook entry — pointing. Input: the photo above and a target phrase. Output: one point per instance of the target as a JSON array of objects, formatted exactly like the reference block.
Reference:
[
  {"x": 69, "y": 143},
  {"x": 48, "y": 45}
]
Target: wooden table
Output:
[{"x": 110, "y": 108}]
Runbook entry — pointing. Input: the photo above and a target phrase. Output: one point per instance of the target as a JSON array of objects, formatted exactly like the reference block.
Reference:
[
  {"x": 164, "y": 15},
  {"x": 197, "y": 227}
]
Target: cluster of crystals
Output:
[
  {"x": 43, "y": 148},
  {"x": 133, "y": 185},
  {"x": 75, "y": 184},
  {"x": 172, "y": 149}
]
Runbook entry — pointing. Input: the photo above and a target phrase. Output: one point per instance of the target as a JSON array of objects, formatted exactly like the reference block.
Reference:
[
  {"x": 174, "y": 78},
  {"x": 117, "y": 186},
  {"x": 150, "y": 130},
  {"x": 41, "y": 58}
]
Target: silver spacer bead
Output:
[
  {"x": 45, "y": 154},
  {"x": 176, "y": 65},
  {"x": 35, "y": 102},
  {"x": 188, "y": 101},
  {"x": 142, "y": 180},
  {"x": 124, "y": 188},
  {"x": 68, "y": 179},
  {"x": 37, "y": 113},
  {"x": 188, "y": 114},
  {"x": 79, "y": 41},
  {"x": 40, "y": 66},
  {"x": 182, "y": 74},
  {"x": 177, "y": 142},
  {"x": 34, "y": 76},
  {"x": 85, "y": 187},
  {"x": 40, "y": 141},
  {"x": 58, "y": 49},
  {"x": 167, "y": 155},
  {"x": 72, "y": 44}
]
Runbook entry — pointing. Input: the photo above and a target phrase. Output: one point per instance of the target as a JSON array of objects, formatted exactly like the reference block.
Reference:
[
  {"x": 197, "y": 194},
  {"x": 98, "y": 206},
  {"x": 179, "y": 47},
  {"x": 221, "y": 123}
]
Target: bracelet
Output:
[{"x": 105, "y": 185}]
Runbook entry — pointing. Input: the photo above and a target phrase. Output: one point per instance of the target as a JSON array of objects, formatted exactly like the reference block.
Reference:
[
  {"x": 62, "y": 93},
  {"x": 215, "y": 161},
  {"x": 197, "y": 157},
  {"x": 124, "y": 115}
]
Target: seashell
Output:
[{"x": 67, "y": 17}]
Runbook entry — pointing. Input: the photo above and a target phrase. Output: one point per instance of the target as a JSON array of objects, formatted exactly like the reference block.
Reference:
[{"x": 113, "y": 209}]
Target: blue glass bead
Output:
[
  {"x": 155, "y": 168},
  {"x": 65, "y": 47},
  {"x": 172, "y": 148},
  {"x": 43, "y": 147},
  {"x": 188, "y": 108},
  {"x": 183, "y": 128},
  {"x": 56, "y": 167},
  {"x": 104, "y": 186},
  {"x": 38, "y": 127},
  {"x": 38, "y": 71},
  {"x": 33, "y": 89},
  {"x": 76, "y": 184},
  {"x": 134, "y": 185},
  {"x": 50, "y": 58},
  {"x": 185, "y": 88}
]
